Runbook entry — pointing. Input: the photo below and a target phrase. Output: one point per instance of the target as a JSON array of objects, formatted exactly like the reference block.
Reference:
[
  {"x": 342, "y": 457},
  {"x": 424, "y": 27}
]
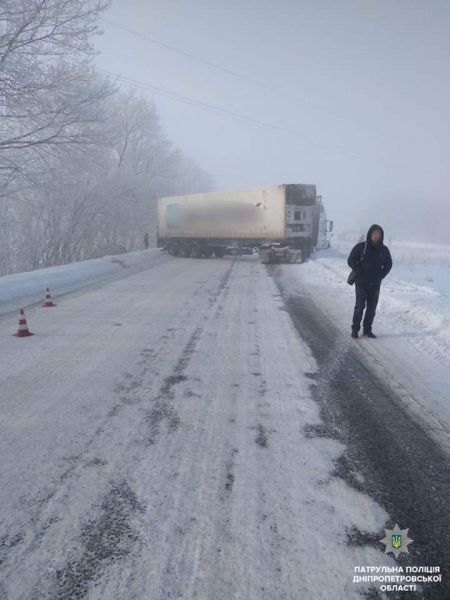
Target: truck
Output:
[{"x": 279, "y": 222}]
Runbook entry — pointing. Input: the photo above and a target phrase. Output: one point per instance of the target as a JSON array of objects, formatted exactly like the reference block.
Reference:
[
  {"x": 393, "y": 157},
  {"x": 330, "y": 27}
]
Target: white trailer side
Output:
[{"x": 257, "y": 213}]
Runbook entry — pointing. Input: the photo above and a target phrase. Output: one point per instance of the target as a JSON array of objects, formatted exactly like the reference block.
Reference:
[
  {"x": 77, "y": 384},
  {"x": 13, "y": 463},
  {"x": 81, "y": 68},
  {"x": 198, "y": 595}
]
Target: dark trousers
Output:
[{"x": 366, "y": 298}]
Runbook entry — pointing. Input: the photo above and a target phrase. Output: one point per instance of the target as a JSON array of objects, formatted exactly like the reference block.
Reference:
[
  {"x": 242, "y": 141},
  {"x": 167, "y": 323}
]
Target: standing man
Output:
[{"x": 372, "y": 261}]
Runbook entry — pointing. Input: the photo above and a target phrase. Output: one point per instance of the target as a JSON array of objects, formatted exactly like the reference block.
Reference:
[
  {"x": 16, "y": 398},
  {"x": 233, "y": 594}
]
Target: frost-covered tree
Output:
[
  {"x": 81, "y": 162},
  {"x": 45, "y": 53}
]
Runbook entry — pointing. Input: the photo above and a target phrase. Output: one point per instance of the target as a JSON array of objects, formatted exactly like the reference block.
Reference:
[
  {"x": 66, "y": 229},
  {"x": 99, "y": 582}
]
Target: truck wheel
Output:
[
  {"x": 208, "y": 252},
  {"x": 195, "y": 251},
  {"x": 173, "y": 249},
  {"x": 184, "y": 251},
  {"x": 219, "y": 252}
]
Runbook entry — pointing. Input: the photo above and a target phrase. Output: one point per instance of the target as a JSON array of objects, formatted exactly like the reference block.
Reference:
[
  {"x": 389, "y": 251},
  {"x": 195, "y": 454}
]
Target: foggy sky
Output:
[{"x": 364, "y": 85}]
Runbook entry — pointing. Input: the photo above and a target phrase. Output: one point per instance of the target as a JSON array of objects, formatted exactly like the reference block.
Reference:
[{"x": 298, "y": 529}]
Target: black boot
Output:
[
  {"x": 354, "y": 333},
  {"x": 369, "y": 334}
]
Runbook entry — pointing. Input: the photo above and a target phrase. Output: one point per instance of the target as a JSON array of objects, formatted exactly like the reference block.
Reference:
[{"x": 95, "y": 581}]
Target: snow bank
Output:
[
  {"x": 26, "y": 288},
  {"x": 415, "y": 296},
  {"x": 412, "y": 350}
]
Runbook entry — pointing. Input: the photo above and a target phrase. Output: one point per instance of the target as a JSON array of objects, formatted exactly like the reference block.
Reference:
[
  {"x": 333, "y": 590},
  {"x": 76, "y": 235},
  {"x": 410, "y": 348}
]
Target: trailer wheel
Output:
[
  {"x": 184, "y": 250},
  {"x": 195, "y": 251},
  {"x": 173, "y": 249},
  {"x": 219, "y": 252}
]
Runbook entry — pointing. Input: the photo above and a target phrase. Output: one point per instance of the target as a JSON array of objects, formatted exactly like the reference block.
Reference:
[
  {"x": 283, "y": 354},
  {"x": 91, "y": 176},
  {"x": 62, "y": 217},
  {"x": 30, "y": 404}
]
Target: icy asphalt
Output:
[{"x": 200, "y": 430}]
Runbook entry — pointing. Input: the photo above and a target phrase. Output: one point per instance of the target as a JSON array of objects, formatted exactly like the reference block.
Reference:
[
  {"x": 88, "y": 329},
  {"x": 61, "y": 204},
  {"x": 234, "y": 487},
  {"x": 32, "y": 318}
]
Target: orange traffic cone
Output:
[
  {"x": 23, "y": 330},
  {"x": 48, "y": 302}
]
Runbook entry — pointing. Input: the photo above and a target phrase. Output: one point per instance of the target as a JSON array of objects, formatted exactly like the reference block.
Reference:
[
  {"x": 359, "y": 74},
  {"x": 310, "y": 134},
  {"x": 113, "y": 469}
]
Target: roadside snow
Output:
[
  {"x": 412, "y": 350},
  {"x": 22, "y": 289},
  {"x": 415, "y": 295}
]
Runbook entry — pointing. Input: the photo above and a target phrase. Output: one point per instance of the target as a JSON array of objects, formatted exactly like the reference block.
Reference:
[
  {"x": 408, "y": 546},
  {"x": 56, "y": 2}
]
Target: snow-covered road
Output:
[{"x": 163, "y": 436}]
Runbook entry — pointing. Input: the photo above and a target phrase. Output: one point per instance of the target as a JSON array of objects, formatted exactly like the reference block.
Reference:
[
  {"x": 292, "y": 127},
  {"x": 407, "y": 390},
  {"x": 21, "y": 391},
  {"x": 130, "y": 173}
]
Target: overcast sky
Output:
[{"x": 360, "y": 92}]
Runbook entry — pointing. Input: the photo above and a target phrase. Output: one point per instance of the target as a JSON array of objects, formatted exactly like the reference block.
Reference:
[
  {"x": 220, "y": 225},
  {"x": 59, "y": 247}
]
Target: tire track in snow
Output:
[
  {"x": 109, "y": 537},
  {"x": 247, "y": 428},
  {"x": 129, "y": 391},
  {"x": 214, "y": 310},
  {"x": 163, "y": 410},
  {"x": 30, "y": 539}
]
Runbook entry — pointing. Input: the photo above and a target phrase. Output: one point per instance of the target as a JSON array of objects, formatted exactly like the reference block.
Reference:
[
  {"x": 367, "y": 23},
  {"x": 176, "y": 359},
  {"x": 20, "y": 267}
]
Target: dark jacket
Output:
[{"x": 372, "y": 262}]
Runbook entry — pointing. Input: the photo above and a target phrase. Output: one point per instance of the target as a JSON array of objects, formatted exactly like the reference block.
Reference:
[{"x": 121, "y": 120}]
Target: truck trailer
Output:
[{"x": 280, "y": 222}]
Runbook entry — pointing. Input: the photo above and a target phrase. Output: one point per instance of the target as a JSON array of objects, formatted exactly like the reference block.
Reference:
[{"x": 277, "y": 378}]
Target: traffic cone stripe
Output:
[
  {"x": 22, "y": 330},
  {"x": 48, "y": 300}
]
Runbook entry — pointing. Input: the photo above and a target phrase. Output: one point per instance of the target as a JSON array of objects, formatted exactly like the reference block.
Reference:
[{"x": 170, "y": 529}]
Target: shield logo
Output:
[{"x": 396, "y": 540}]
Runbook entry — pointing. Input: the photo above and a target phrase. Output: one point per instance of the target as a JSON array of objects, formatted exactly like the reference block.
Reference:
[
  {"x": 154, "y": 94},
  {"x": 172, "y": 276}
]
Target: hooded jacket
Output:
[{"x": 372, "y": 261}]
